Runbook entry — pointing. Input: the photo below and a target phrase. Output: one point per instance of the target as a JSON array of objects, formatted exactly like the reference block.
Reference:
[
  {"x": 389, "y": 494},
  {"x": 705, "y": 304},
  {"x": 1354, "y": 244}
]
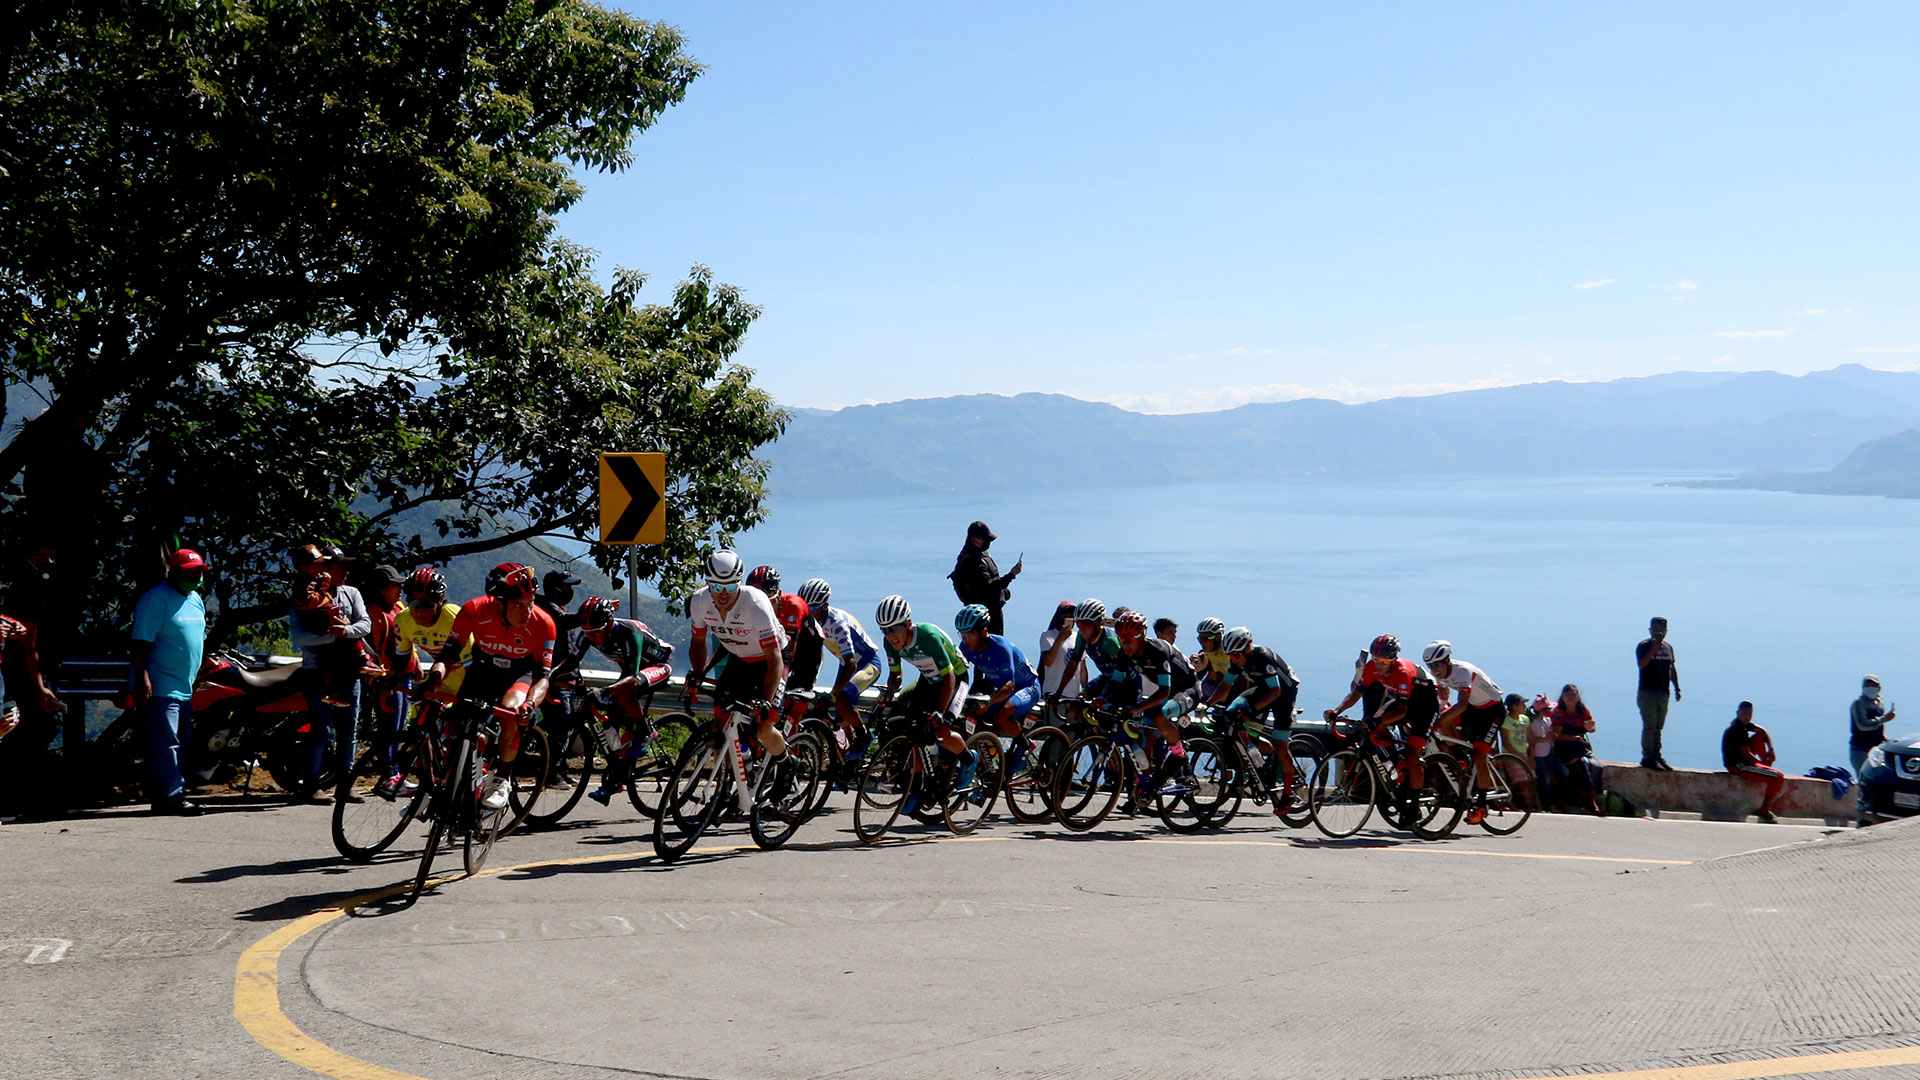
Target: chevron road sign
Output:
[{"x": 633, "y": 507}]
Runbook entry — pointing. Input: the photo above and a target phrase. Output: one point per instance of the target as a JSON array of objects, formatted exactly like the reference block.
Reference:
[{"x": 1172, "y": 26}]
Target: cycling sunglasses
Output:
[{"x": 719, "y": 588}]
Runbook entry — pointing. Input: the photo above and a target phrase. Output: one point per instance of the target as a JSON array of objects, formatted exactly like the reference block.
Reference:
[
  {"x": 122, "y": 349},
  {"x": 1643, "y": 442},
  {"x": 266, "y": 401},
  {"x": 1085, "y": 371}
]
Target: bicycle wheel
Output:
[
  {"x": 693, "y": 798},
  {"x": 1510, "y": 800},
  {"x": 1443, "y": 800},
  {"x": 1089, "y": 784},
  {"x": 392, "y": 796},
  {"x": 483, "y": 826},
  {"x": 527, "y": 776},
  {"x": 1186, "y": 784},
  {"x": 786, "y": 795},
  {"x": 649, "y": 773},
  {"x": 1231, "y": 773},
  {"x": 1340, "y": 797},
  {"x": 1030, "y": 784},
  {"x": 570, "y": 766},
  {"x": 1307, "y": 754},
  {"x": 885, "y": 784},
  {"x": 440, "y": 806},
  {"x": 968, "y": 805},
  {"x": 832, "y": 763}
]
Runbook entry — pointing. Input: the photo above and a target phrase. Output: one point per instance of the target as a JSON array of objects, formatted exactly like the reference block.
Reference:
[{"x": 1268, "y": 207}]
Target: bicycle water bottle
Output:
[
  {"x": 1259, "y": 759},
  {"x": 1140, "y": 760}
]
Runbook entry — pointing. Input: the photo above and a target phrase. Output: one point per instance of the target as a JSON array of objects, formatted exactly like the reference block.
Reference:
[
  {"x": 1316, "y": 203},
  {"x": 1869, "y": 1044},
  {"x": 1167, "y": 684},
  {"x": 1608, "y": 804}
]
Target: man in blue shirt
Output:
[
  {"x": 169, "y": 635},
  {"x": 1000, "y": 668}
]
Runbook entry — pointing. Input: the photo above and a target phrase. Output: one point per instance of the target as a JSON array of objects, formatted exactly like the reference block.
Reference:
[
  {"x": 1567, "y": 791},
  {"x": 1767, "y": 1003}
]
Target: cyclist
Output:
[
  {"x": 751, "y": 646},
  {"x": 556, "y": 592},
  {"x": 998, "y": 665},
  {"x": 1097, "y": 643},
  {"x": 859, "y": 658},
  {"x": 1478, "y": 708},
  {"x": 510, "y": 662},
  {"x": 1157, "y": 664},
  {"x": 642, "y": 658},
  {"x": 941, "y": 689},
  {"x": 804, "y": 642},
  {"x": 1211, "y": 662},
  {"x": 424, "y": 623},
  {"x": 1389, "y": 687},
  {"x": 1266, "y": 687}
]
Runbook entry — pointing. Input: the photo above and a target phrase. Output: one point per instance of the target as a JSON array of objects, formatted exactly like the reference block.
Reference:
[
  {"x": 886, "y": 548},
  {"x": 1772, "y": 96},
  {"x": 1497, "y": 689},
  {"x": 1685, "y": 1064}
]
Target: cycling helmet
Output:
[
  {"x": 597, "y": 612},
  {"x": 1238, "y": 639},
  {"x": 1090, "y": 610},
  {"x": 1210, "y": 627},
  {"x": 1386, "y": 646},
  {"x": 766, "y": 579},
  {"x": 426, "y": 583},
  {"x": 1436, "y": 652},
  {"x": 1131, "y": 625},
  {"x": 816, "y": 592},
  {"x": 970, "y": 617},
  {"x": 508, "y": 579},
  {"x": 722, "y": 567},
  {"x": 892, "y": 612}
]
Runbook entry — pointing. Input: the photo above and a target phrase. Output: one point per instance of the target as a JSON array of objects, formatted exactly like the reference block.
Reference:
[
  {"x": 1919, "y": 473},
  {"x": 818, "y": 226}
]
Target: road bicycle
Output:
[
  {"x": 721, "y": 766},
  {"x": 1245, "y": 772},
  {"x": 1508, "y": 793},
  {"x": 1117, "y": 758},
  {"x": 908, "y": 772},
  {"x": 1034, "y": 761},
  {"x": 1361, "y": 777},
  {"x": 455, "y": 778},
  {"x": 811, "y": 712},
  {"x": 595, "y": 734}
]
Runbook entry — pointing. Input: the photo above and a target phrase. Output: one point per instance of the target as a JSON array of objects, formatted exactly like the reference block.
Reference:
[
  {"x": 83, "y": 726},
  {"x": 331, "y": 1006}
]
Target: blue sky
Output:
[{"x": 1191, "y": 206}]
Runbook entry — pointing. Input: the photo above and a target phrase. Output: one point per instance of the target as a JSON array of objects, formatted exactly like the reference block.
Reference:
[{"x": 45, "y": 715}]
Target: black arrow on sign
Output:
[{"x": 627, "y": 471}]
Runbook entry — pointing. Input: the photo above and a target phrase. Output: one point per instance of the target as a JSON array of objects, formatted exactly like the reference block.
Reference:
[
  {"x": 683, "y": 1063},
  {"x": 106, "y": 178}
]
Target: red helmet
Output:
[
  {"x": 1386, "y": 647},
  {"x": 509, "y": 579},
  {"x": 1131, "y": 625},
  {"x": 426, "y": 583},
  {"x": 764, "y": 578},
  {"x": 598, "y": 612}
]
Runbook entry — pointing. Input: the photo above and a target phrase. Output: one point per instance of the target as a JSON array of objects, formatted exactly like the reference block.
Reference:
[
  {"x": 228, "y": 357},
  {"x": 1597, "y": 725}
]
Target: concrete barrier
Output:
[{"x": 1722, "y": 796}]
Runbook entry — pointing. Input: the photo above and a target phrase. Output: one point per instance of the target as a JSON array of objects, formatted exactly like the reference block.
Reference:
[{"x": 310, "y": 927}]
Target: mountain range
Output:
[{"x": 1724, "y": 424}]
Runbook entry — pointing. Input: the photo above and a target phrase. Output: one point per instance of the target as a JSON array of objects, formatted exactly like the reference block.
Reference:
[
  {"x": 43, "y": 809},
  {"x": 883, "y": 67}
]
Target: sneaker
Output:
[
  {"x": 493, "y": 792},
  {"x": 1288, "y": 803},
  {"x": 1476, "y": 815},
  {"x": 861, "y": 743},
  {"x": 1017, "y": 763},
  {"x": 911, "y": 804},
  {"x": 968, "y": 766},
  {"x": 1765, "y": 817},
  {"x": 1661, "y": 764},
  {"x": 603, "y": 796},
  {"x": 1650, "y": 763},
  {"x": 387, "y": 788},
  {"x": 560, "y": 783}
]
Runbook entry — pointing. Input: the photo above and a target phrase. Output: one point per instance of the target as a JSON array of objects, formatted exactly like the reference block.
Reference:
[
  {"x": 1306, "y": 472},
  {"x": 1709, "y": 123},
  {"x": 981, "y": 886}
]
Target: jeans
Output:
[
  {"x": 1653, "y": 719},
  {"x": 169, "y": 726},
  {"x": 342, "y": 721},
  {"x": 1550, "y": 777}
]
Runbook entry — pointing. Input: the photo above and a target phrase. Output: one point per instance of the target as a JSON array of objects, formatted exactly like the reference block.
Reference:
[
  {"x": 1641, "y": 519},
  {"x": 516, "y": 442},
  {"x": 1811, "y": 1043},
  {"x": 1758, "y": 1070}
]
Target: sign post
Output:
[{"x": 633, "y": 508}]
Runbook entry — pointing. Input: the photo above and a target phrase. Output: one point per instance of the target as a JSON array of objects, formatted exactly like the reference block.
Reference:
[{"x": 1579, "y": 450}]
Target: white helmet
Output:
[
  {"x": 892, "y": 612},
  {"x": 1210, "y": 627},
  {"x": 1238, "y": 639},
  {"x": 816, "y": 592},
  {"x": 1090, "y": 610},
  {"x": 723, "y": 567},
  {"x": 1437, "y": 652}
]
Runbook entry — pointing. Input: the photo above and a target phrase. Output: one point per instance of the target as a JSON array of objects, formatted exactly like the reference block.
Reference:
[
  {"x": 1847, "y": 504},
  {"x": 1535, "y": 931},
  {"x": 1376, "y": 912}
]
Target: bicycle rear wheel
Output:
[
  {"x": 1188, "y": 785},
  {"x": 1232, "y": 773},
  {"x": 693, "y": 797},
  {"x": 1089, "y": 784},
  {"x": 1030, "y": 786},
  {"x": 649, "y": 774},
  {"x": 885, "y": 784},
  {"x": 570, "y": 752},
  {"x": 1442, "y": 801},
  {"x": 364, "y": 829},
  {"x": 1341, "y": 795},
  {"x": 786, "y": 796},
  {"x": 526, "y": 776},
  {"x": 967, "y": 806},
  {"x": 1510, "y": 800},
  {"x": 1307, "y": 752}
]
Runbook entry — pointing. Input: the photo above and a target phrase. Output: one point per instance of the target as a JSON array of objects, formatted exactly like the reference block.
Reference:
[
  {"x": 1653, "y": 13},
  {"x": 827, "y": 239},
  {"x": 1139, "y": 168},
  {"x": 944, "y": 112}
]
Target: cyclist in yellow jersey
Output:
[
  {"x": 1211, "y": 663},
  {"x": 424, "y": 624}
]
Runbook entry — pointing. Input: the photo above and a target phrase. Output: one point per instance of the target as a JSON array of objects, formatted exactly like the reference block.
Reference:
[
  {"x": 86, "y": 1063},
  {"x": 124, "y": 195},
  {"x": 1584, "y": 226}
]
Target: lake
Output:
[{"x": 1785, "y": 600}]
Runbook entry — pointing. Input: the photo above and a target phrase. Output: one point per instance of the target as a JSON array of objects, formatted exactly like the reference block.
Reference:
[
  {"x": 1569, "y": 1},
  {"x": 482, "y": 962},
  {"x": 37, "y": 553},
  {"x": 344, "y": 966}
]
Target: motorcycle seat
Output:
[{"x": 269, "y": 678}]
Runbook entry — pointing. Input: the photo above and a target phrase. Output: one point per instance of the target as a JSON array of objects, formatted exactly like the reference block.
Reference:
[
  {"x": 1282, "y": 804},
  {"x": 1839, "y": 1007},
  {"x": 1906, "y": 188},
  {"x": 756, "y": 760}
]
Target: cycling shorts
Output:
[
  {"x": 1479, "y": 722},
  {"x": 1024, "y": 701},
  {"x": 654, "y": 674},
  {"x": 1423, "y": 705},
  {"x": 489, "y": 685},
  {"x": 922, "y": 696},
  {"x": 859, "y": 683},
  {"x": 738, "y": 682}
]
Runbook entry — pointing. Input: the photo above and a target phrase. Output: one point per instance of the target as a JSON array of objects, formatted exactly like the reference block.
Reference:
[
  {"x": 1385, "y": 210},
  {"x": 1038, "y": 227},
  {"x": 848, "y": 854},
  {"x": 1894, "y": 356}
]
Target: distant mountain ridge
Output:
[
  {"x": 1887, "y": 466},
  {"x": 1709, "y": 422}
]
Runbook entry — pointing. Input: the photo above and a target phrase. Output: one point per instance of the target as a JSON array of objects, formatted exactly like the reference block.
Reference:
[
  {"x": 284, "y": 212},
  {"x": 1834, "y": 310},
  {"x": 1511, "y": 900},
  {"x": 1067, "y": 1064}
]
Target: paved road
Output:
[{"x": 1578, "y": 946}]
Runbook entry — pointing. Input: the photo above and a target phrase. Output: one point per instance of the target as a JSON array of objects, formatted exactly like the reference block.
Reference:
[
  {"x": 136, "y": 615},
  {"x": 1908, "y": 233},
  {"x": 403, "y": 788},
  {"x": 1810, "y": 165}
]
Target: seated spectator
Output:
[
  {"x": 1747, "y": 750},
  {"x": 1548, "y": 774},
  {"x": 1572, "y": 722}
]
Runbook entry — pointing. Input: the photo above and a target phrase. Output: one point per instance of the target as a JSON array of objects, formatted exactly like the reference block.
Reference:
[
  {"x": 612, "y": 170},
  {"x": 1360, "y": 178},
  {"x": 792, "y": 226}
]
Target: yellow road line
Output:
[
  {"x": 1752, "y": 1070},
  {"x": 1413, "y": 849}
]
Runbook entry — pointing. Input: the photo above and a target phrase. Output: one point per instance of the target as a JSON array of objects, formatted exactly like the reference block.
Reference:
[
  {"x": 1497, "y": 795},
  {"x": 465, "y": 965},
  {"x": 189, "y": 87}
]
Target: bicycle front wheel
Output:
[
  {"x": 652, "y": 770},
  {"x": 1090, "y": 781},
  {"x": 786, "y": 794},
  {"x": 526, "y": 776},
  {"x": 1030, "y": 784},
  {"x": 1442, "y": 801},
  {"x": 1510, "y": 799},
  {"x": 969, "y": 804},
  {"x": 693, "y": 797},
  {"x": 1307, "y": 754},
  {"x": 885, "y": 785},
  {"x": 570, "y": 752},
  {"x": 1227, "y": 775},
  {"x": 1189, "y": 785},
  {"x": 1341, "y": 795},
  {"x": 391, "y": 796},
  {"x": 440, "y": 808}
]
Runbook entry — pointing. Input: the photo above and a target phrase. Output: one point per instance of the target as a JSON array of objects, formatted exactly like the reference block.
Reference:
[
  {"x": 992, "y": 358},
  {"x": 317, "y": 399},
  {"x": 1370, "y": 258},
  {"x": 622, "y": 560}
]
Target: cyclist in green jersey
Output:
[{"x": 942, "y": 686}]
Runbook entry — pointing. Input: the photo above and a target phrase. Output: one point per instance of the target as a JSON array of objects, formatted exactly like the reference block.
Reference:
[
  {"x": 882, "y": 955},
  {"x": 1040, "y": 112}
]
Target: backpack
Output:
[{"x": 1614, "y": 804}]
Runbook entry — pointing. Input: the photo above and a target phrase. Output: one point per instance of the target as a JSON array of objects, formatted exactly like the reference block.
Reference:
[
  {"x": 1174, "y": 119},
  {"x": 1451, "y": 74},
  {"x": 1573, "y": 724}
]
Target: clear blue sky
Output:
[{"x": 1190, "y": 206}]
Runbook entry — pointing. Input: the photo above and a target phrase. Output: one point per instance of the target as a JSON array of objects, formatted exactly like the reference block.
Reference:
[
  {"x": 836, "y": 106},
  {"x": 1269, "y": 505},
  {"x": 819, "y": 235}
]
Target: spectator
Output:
[
  {"x": 1058, "y": 675},
  {"x": 1657, "y": 675},
  {"x": 1747, "y": 750},
  {"x": 30, "y": 664},
  {"x": 383, "y": 711},
  {"x": 324, "y": 650},
  {"x": 1548, "y": 772},
  {"x": 10, "y": 629},
  {"x": 977, "y": 578},
  {"x": 1572, "y": 722},
  {"x": 1868, "y": 729},
  {"x": 1166, "y": 630},
  {"x": 1515, "y": 737},
  {"x": 556, "y": 593},
  {"x": 169, "y": 635}
]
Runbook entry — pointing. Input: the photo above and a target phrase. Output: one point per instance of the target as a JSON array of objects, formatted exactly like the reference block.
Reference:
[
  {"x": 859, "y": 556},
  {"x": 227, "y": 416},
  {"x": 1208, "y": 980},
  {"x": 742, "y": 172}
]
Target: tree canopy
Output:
[{"x": 284, "y": 269}]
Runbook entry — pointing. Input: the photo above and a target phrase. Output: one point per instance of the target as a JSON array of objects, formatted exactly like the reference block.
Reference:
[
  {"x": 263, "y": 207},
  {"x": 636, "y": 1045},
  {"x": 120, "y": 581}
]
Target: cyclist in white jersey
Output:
[
  {"x": 751, "y": 641},
  {"x": 847, "y": 640},
  {"x": 1477, "y": 709}
]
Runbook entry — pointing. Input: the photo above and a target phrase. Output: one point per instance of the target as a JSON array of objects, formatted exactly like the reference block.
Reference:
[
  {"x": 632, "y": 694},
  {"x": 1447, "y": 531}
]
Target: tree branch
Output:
[{"x": 445, "y": 552}]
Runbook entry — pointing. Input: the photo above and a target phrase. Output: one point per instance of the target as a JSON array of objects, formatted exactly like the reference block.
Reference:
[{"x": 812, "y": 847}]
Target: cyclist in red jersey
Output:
[
  {"x": 512, "y": 657},
  {"x": 805, "y": 642},
  {"x": 1387, "y": 683}
]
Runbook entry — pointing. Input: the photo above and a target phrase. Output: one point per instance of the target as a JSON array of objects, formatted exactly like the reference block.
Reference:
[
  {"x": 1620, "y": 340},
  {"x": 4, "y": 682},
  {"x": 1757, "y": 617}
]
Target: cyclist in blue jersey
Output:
[
  {"x": 999, "y": 667},
  {"x": 859, "y": 657}
]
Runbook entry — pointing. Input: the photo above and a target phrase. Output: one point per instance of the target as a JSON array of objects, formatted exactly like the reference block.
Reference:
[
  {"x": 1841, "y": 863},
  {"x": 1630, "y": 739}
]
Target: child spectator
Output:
[
  {"x": 1515, "y": 734},
  {"x": 1548, "y": 774},
  {"x": 315, "y": 612},
  {"x": 1747, "y": 750}
]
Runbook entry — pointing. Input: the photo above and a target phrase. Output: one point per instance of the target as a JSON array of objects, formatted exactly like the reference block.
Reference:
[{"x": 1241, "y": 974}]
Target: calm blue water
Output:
[{"x": 1782, "y": 599}]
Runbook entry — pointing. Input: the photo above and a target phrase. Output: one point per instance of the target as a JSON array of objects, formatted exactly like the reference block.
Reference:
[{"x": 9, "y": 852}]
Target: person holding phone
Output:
[{"x": 977, "y": 578}]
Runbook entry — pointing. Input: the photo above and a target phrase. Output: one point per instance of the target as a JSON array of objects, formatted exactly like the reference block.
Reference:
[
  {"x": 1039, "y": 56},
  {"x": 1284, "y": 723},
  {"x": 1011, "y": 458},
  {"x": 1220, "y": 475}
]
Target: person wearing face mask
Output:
[
  {"x": 169, "y": 635},
  {"x": 1869, "y": 725}
]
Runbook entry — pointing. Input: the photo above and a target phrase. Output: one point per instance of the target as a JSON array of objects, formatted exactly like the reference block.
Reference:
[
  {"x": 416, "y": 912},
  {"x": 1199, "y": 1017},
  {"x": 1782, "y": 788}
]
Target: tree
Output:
[{"x": 281, "y": 268}]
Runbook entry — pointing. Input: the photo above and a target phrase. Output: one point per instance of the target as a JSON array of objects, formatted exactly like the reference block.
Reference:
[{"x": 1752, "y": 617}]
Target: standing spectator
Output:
[
  {"x": 1060, "y": 673},
  {"x": 383, "y": 613},
  {"x": 9, "y": 712},
  {"x": 1657, "y": 676},
  {"x": 977, "y": 578},
  {"x": 1747, "y": 750},
  {"x": 30, "y": 664},
  {"x": 1868, "y": 729},
  {"x": 1548, "y": 772},
  {"x": 1572, "y": 722},
  {"x": 1516, "y": 737},
  {"x": 556, "y": 593},
  {"x": 1167, "y": 630},
  {"x": 169, "y": 635},
  {"x": 327, "y": 650}
]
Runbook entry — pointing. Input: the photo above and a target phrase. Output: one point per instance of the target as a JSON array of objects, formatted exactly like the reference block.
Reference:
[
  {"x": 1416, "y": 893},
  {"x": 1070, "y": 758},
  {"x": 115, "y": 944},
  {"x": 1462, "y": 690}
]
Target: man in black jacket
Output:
[{"x": 978, "y": 580}]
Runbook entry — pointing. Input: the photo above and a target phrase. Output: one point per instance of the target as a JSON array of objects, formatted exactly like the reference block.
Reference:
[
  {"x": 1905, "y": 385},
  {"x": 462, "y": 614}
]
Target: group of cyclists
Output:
[{"x": 753, "y": 644}]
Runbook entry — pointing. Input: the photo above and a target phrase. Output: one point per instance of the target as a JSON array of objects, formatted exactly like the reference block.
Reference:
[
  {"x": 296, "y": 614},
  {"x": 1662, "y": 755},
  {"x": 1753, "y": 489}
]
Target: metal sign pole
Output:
[{"x": 633, "y": 586}]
